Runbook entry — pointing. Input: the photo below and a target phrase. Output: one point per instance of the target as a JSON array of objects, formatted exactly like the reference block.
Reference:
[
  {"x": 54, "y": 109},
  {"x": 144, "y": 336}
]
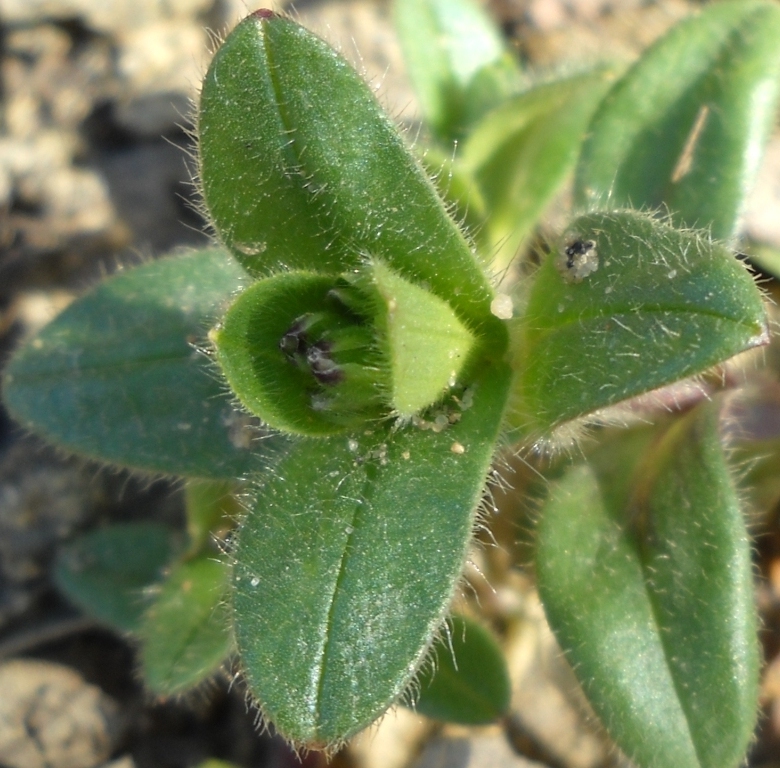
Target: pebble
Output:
[
  {"x": 50, "y": 717},
  {"x": 43, "y": 499},
  {"x": 161, "y": 66},
  {"x": 100, "y": 16},
  {"x": 476, "y": 751}
]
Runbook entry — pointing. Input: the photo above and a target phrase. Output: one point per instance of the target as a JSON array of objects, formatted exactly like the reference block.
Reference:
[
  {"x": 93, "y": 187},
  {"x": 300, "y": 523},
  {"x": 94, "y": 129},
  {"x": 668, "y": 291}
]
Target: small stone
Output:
[
  {"x": 99, "y": 15},
  {"x": 477, "y": 751},
  {"x": 49, "y": 716}
]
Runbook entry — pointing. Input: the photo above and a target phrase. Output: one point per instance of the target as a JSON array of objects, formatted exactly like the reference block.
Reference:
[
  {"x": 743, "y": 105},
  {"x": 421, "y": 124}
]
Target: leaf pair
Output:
[
  {"x": 644, "y": 568},
  {"x": 135, "y": 578}
]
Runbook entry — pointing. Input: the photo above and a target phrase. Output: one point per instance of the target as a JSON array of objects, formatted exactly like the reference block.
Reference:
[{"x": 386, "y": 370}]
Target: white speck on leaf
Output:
[{"x": 502, "y": 307}]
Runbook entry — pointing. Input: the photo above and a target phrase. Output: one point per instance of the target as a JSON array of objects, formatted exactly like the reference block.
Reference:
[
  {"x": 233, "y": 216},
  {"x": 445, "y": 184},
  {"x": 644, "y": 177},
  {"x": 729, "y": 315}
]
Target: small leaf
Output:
[
  {"x": 652, "y": 598},
  {"x": 209, "y": 506},
  {"x": 186, "y": 633},
  {"x": 457, "y": 59},
  {"x": 302, "y": 170},
  {"x": 522, "y": 151},
  {"x": 346, "y": 564},
  {"x": 661, "y": 305},
  {"x": 108, "y": 572},
  {"x": 686, "y": 127},
  {"x": 468, "y": 682},
  {"x": 116, "y": 377}
]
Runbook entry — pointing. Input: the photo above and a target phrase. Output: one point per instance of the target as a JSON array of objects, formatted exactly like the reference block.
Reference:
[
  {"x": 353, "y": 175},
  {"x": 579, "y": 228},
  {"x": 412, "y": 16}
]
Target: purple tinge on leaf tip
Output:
[{"x": 263, "y": 13}]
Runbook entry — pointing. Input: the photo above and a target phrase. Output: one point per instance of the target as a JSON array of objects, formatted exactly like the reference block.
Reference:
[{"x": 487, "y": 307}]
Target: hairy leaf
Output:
[
  {"x": 347, "y": 561},
  {"x": 686, "y": 127},
  {"x": 650, "y": 594},
  {"x": 661, "y": 304},
  {"x": 186, "y": 633},
  {"x": 301, "y": 169},
  {"x": 116, "y": 376}
]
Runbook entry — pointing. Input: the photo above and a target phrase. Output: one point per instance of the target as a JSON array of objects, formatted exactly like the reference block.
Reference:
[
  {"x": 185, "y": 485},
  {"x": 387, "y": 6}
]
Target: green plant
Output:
[{"x": 350, "y": 314}]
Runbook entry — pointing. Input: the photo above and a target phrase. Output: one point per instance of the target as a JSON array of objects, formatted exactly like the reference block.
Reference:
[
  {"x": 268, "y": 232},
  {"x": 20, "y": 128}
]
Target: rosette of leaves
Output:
[{"x": 347, "y": 314}]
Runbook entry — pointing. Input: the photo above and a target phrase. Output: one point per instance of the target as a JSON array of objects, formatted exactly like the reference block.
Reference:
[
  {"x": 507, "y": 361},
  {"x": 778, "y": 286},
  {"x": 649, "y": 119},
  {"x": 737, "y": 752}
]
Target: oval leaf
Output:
[
  {"x": 702, "y": 98},
  {"x": 653, "y": 601},
  {"x": 108, "y": 572},
  {"x": 661, "y": 305},
  {"x": 347, "y": 562},
  {"x": 116, "y": 376},
  {"x": 457, "y": 59},
  {"x": 301, "y": 169},
  {"x": 186, "y": 633},
  {"x": 468, "y": 681}
]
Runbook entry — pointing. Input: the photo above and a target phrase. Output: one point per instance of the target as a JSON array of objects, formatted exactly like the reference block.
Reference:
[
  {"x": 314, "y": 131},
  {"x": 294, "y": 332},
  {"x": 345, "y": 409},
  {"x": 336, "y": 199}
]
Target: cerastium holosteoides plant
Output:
[{"x": 346, "y": 311}]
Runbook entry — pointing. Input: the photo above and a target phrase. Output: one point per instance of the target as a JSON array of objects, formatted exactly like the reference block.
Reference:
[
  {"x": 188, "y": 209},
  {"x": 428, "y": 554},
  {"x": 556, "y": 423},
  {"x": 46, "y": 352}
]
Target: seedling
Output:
[{"x": 361, "y": 373}]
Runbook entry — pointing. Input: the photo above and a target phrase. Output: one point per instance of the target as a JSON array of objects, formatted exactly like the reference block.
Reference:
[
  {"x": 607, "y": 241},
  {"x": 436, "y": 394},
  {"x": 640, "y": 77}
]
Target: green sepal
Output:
[
  {"x": 348, "y": 560},
  {"x": 468, "y": 681},
  {"x": 660, "y": 305},
  {"x": 647, "y": 583},
  {"x": 315, "y": 355},
  {"x": 272, "y": 383},
  {"x": 186, "y": 632},
  {"x": 302, "y": 170},
  {"x": 116, "y": 375},
  {"x": 420, "y": 338},
  {"x": 110, "y": 572},
  {"x": 686, "y": 127}
]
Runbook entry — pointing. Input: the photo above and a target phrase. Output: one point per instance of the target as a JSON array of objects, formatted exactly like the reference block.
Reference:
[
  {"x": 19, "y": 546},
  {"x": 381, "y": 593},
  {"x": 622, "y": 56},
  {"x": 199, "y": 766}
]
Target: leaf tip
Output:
[{"x": 263, "y": 13}]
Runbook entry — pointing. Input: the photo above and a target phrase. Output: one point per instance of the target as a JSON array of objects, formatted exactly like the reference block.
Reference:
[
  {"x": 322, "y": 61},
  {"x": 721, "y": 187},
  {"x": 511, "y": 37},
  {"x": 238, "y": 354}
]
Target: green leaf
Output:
[
  {"x": 302, "y": 170},
  {"x": 661, "y": 305},
  {"x": 346, "y": 564},
  {"x": 686, "y": 127},
  {"x": 210, "y": 507},
  {"x": 468, "y": 681},
  {"x": 116, "y": 376},
  {"x": 522, "y": 151},
  {"x": 652, "y": 598},
  {"x": 457, "y": 60},
  {"x": 108, "y": 572},
  {"x": 186, "y": 633}
]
